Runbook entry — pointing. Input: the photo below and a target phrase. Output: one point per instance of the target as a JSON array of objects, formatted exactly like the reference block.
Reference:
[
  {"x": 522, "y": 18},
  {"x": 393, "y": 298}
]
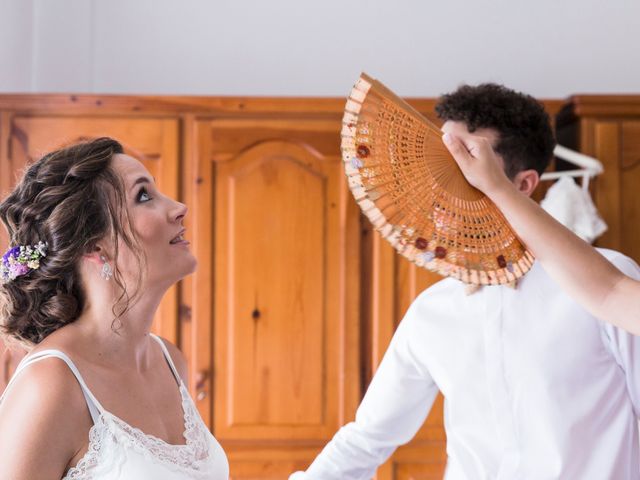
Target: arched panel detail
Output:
[{"x": 276, "y": 204}]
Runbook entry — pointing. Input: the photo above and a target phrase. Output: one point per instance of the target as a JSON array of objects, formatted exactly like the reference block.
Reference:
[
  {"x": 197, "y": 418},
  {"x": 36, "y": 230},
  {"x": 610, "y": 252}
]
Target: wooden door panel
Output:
[
  {"x": 268, "y": 463},
  {"x": 606, "y": 148},
  {"x": 273, "y": 220},
  {"x": 630, "y": 182},
  {"x": 395, "y": 283},
  {"x": 277, "y": 223},
  {"x": 410, "y": 282},
  {"x": 154, "y": 141},
  {"x": 279, "y": 294},
  {"x": 419, "y": 471}
]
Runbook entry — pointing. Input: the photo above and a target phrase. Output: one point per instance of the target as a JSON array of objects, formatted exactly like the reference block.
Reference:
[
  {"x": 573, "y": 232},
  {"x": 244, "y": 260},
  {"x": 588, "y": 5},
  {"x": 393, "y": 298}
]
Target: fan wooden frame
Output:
[{"x": 410, "y": 188}]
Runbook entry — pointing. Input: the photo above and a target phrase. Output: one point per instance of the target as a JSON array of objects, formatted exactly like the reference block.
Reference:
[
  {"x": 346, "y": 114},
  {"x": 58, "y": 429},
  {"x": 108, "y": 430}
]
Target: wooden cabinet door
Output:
[
  {"x": 154, "y": 141},
  {"x": 630, "y": 184},
  {"x": 392, "y": 284},
  {"x": 277, "y": 291},
  {"x": 617, "y": 145}
]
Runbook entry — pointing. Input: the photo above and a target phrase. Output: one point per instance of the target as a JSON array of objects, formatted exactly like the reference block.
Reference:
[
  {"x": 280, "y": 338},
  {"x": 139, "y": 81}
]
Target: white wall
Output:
[
  {"x": 16, "y": 45},
  {"x": 63, "y": 46},
  {"x": 550, "y": 48}
]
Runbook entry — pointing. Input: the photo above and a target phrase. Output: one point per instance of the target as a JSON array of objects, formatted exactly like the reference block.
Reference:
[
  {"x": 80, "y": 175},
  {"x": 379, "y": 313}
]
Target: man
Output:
[{"x": 535, "y": 387}]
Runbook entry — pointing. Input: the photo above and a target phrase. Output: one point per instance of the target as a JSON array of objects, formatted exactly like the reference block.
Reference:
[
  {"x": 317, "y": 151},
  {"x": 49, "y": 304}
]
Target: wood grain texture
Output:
[
  {"x": 277, "y": 291},
  {"x": 276, "y": 231},
  {"x": 154, "y": 141}
]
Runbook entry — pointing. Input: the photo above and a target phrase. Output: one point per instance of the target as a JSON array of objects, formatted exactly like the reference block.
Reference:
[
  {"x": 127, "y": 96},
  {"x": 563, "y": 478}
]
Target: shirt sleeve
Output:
[
  {"x": 393, "y": 409},
  {"x": 624, "y": 346}
]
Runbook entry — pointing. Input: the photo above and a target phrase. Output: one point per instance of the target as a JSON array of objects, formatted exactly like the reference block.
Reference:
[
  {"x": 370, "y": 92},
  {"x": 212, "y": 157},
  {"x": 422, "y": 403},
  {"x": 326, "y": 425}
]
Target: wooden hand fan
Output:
[{"x": 410, "y": 187}]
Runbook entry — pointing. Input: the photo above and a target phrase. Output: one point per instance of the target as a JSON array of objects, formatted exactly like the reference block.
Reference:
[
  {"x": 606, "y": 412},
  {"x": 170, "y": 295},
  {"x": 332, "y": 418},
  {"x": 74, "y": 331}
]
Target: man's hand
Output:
[{"x": 478, "y": 162}]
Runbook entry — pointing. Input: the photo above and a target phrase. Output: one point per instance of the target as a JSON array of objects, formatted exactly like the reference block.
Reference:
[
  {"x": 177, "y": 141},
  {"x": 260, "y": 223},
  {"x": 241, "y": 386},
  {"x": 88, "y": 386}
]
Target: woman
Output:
[
  {"x": 94, "y": 247},
  {"x": 576, "y": 266}
]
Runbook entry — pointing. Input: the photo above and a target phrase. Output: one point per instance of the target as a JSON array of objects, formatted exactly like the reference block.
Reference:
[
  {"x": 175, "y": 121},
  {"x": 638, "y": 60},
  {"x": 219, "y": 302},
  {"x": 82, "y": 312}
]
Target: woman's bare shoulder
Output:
[
  {"x": 50, "y": 387},
  {"x": 44, "y": 417}
]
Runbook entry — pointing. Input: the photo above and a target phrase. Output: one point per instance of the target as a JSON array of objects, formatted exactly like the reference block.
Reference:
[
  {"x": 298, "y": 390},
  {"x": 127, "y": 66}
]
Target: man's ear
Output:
[{"x": 526, "y": 181}]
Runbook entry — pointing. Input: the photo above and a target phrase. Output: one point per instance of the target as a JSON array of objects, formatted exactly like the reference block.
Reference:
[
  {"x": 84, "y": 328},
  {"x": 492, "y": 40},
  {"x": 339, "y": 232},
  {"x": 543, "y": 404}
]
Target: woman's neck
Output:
[{"x": 123, "y": 339}]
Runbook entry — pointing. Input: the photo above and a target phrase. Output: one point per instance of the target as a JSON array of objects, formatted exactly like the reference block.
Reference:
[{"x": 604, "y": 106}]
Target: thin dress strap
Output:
[
  {"x": 95, "y": 408},
  {"x": 168, "y": 358}
]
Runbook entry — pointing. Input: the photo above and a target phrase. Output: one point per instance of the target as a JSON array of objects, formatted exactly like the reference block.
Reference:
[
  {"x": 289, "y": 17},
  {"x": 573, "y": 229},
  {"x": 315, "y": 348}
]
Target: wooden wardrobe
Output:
[
  {"x": 295, "y": 299},
  {"x": 608, "y": 128}
]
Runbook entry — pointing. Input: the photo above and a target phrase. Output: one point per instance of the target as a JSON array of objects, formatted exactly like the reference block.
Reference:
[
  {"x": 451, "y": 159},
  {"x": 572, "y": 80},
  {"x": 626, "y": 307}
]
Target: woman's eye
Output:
[{"x": 143, "y": 196}]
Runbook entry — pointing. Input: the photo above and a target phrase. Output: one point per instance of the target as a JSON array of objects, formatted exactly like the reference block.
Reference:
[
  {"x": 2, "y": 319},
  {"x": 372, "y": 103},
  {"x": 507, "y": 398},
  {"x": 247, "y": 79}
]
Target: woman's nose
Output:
[{"x": 179, "y": 211}]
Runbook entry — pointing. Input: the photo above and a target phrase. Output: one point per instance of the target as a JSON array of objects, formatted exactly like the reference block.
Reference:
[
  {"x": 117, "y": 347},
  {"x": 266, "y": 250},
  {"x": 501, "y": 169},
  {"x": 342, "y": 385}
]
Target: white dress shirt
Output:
[{"x": 535, "y": 387}]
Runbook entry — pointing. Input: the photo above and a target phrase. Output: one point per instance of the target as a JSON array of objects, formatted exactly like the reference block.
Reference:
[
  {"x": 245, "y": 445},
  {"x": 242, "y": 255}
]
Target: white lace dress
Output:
[{"x": 118, "y": 451}]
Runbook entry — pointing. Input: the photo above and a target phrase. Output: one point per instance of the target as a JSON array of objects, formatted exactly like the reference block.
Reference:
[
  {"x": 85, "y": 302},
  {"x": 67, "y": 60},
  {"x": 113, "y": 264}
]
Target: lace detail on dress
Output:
[
  {"x": 188, "y": 456},
  {"x": 91, "y": 458},
  {"x": 192, "y": 457}
]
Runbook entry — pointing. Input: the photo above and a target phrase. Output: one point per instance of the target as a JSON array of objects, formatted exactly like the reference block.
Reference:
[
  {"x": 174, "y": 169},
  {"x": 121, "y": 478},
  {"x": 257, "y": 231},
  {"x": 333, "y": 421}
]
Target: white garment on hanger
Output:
[{"x": 572, "y": 206}]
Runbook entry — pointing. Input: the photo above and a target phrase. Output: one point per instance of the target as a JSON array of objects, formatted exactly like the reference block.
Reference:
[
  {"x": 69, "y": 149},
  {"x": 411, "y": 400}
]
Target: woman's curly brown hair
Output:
[
  {"x": 526, "y": 139},
  {"x": 71, "y": 198}
]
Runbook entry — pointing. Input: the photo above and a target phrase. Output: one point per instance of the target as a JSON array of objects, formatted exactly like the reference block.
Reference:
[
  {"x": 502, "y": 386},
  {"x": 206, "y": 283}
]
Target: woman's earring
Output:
[{"x": 107, "y": 271}]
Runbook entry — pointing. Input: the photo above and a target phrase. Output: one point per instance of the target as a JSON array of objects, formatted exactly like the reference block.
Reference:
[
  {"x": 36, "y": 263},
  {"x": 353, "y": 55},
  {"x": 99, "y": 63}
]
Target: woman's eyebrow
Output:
[{"x": 140, "y": 180}]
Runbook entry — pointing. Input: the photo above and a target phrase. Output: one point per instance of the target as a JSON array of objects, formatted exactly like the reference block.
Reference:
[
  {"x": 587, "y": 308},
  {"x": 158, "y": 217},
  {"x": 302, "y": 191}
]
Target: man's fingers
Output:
[
  {"x": 483, "y": 147},
  {"x": 456, "y": 148}
]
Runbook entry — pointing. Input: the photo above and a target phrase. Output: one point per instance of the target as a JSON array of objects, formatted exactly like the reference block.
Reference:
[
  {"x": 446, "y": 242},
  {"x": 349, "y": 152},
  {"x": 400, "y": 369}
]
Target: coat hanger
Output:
[{"x": 589, "y": 166}]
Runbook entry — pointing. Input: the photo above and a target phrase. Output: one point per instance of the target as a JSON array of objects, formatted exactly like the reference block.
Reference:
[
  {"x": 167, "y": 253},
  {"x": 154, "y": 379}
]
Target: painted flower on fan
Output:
[
  {"x": 20, "y": 260},
  {"x": 427, "y": 256},
  {"x": 356, "y": 162}
]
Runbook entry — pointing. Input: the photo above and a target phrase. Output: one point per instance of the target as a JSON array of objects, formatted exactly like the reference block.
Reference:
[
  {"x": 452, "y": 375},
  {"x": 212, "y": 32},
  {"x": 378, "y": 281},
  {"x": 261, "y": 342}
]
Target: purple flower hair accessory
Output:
[{"x": 20, "y": 260}]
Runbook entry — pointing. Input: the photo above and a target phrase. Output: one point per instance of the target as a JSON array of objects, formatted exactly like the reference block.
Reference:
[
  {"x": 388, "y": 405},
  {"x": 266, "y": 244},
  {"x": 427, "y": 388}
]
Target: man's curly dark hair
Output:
[{"x": 525, "y": 141}]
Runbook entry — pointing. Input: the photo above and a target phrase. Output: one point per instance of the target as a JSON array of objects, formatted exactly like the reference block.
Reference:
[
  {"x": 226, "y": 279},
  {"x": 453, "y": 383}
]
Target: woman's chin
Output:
[
  {"x": 189, "y": 268},
  {"x": 194, "y": 265},
  {"x": 167, "y": 278}
]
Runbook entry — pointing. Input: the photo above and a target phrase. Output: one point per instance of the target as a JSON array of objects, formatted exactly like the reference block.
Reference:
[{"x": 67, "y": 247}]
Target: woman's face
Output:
[{"x": 157, "y": 220}]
